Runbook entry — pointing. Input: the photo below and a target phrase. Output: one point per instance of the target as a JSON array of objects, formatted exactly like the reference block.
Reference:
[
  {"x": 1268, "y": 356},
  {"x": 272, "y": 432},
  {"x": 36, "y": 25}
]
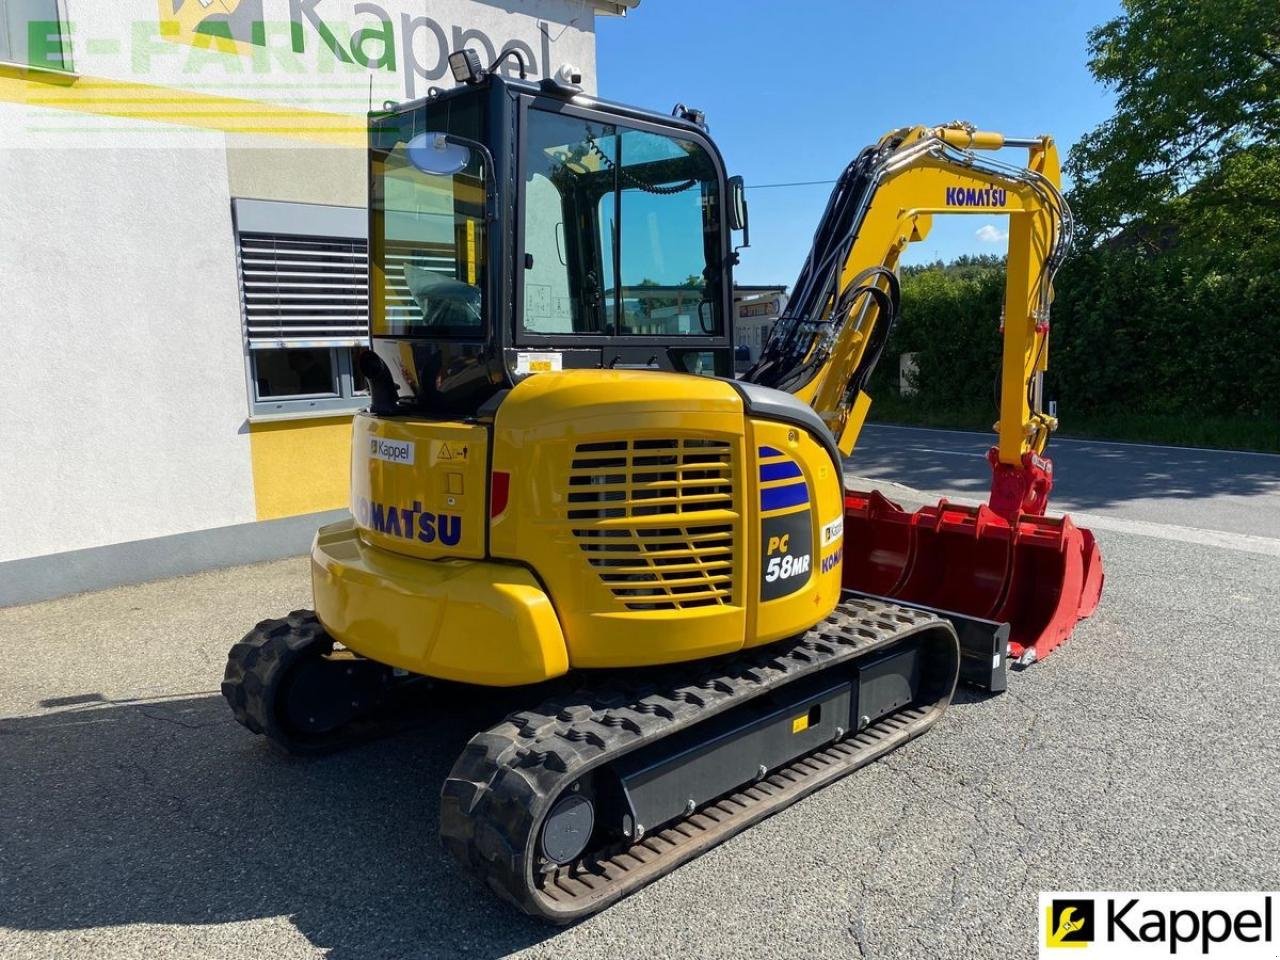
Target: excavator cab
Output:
[{"x": 519, "y": 228}]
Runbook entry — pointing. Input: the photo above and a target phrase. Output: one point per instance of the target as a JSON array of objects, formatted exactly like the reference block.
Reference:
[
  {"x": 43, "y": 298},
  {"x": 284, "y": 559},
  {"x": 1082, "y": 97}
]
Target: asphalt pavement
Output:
[
  {"x": 1195, "y": 489},
  {"x": 137, "y": 820}
]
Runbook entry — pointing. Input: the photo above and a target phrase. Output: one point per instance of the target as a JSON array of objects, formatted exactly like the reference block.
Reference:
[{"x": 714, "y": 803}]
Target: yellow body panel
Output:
[
  {"x": 420, "y": 487},
  {"x": 294, "y": 465},
  {"x": 649, "y": 521},
  {"x": 814, "y": 593},
  {"x": 463, "y": 620},
  {"x": 537, "y": 433},
  {"x": 636, "y": 498}
]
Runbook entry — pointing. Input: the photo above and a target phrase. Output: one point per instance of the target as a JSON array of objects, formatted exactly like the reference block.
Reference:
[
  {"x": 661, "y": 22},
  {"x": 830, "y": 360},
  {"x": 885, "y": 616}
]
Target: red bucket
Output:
[
  {"x": 1040, "y": 575},
  {"x": 1091, "y": 592},
  {"x": 961, "y": 560},
  {"x": 882, "y": 532},
  {"x": 1042, "y": 602}
]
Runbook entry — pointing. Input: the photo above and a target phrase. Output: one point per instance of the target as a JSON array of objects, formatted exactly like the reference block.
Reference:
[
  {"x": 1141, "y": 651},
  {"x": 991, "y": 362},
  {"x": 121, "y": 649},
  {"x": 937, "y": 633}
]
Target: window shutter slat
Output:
[{"x": 304, "y": 290}]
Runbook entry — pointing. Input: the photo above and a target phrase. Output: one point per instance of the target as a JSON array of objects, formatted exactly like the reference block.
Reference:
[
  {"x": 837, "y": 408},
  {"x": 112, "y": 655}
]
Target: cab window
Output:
[
  {"x": 621, "y": 231},
  {"x": 428, "y": 237}
]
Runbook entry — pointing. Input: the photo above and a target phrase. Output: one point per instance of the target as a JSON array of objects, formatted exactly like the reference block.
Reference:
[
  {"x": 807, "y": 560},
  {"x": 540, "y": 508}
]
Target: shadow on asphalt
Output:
[
  {"x": 169, "y": 813},
  {"x": 1088, "y": 476}
]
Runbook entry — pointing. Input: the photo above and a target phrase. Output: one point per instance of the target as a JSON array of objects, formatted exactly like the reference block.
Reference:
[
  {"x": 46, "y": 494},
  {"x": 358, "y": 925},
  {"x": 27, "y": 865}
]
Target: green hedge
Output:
[{"x": 1144, "y": 345}]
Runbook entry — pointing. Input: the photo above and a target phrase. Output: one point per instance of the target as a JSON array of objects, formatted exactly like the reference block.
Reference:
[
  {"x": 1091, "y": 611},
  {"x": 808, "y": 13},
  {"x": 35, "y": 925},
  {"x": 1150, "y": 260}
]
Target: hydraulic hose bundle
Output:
[{"x": 794, "y": 351}]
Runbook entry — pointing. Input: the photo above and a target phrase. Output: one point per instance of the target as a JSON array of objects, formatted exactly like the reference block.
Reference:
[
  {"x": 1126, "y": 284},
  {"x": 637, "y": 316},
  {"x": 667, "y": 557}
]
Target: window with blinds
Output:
[
  {"x": 402, "y": 258},
  {"x": 304, "y": 287},
  {"x": 304, "y": 291}
]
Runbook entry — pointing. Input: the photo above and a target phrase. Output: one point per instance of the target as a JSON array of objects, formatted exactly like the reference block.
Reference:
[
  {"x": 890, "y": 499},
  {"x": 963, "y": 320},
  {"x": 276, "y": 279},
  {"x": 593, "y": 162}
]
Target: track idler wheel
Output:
[{"x": 285, "y": 681}]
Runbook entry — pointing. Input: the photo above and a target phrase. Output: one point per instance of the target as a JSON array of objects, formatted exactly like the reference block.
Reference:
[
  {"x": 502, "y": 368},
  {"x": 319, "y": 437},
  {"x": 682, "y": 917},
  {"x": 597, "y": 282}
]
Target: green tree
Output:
[
  {"x": 950, "y": 321},
  {"x": 1165, "y": 320},
  {"x": 1197, "y": 83}
]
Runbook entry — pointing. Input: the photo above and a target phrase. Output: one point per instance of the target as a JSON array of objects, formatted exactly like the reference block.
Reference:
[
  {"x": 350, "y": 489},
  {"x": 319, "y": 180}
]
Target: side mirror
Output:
[
  {"x": 444, "y": 155},
  {"x": 707, "y": 317},
  {"x": 739, "y": 219},
  {"x": 437, "y": 155}
]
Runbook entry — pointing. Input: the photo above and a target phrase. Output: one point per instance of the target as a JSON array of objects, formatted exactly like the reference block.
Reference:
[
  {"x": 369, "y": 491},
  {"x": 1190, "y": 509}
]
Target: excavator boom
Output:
[{"x": 837, "y": 323}]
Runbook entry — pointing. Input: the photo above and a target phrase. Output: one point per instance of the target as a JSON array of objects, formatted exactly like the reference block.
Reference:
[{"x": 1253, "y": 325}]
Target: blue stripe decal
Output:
[
  {"x": 770, "y": 452},
  {"x": 783, "y": 470},
  {"x": 792, "y": 495}
]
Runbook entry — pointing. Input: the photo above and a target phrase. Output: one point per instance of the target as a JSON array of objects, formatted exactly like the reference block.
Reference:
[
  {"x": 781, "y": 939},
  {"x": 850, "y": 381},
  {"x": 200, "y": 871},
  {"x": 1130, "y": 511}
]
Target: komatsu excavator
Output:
[{"x": 559, "y": 485}]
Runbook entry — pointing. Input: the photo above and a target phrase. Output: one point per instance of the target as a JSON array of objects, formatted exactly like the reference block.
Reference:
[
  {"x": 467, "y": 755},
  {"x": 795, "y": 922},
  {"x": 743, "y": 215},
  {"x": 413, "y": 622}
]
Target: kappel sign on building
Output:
[
  {"x": 379, "y": 41},
  {"x": 239, "y": 38},
  {"x": 309, "y": 70}
]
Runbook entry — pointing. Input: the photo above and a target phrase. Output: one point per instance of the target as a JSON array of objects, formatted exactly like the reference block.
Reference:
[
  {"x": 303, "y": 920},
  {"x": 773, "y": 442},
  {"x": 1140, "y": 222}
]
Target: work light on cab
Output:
[{"x": 465, "y": 65}]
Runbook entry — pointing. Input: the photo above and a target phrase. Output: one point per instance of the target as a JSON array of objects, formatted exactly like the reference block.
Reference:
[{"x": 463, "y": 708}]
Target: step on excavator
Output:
[{"x": 560, "y": 486}]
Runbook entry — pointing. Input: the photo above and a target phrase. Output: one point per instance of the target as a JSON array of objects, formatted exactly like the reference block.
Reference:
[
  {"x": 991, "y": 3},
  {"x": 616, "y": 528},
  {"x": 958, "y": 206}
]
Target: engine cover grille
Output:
[{"x": 656, "y": 519}]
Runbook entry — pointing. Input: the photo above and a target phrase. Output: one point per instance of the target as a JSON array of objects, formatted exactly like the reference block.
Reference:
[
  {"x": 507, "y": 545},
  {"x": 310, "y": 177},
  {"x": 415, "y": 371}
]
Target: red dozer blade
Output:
[{"x": 1040, "y": 575}]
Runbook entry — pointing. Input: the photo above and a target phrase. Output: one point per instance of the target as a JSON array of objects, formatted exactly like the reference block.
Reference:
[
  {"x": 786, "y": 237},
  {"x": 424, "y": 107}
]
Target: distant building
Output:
[{"x": 756, "y": 309}]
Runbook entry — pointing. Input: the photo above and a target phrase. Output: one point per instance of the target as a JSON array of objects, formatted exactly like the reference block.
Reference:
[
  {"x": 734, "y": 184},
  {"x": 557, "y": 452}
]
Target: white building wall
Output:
[
  {"x": 124, "y": 392},
  {"x": 123, "y": 40}
]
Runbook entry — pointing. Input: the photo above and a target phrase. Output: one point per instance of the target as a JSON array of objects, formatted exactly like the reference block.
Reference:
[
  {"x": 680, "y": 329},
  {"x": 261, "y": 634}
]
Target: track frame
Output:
[{"x": 508, "y": 777}]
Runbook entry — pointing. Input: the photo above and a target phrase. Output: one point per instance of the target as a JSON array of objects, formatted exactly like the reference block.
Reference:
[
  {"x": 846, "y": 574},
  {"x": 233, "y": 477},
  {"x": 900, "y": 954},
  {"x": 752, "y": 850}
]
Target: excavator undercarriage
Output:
[
  {"x": 566, "y": 807},
  {"x": 560, "y": 487},
  {"x": 580, "y": 799}
]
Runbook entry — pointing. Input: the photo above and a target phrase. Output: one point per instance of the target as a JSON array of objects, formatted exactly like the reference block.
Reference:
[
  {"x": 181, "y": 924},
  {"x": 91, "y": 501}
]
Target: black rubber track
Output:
[
  {"x": 256, "y": 684},
  {"x": 257, "y": 666},
  {"x": 507, "y": 778}
]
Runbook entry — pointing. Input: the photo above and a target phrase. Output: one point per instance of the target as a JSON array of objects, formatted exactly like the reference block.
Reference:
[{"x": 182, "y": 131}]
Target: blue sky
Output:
[{"x": 793, "y": 90}]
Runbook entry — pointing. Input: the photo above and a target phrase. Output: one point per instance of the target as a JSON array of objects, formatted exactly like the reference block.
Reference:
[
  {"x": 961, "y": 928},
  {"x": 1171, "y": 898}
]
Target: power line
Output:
[{"x": 795, "y": 183}]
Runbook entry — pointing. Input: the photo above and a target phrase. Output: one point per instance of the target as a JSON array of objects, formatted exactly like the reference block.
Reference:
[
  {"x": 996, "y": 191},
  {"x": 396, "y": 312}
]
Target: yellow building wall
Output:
[{"x": 301, "y": 466}]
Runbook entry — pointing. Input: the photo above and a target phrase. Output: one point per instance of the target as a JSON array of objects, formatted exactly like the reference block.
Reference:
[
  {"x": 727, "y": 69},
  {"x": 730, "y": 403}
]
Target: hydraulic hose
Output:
[
  {"x": 802, "y": 340},
  {"x": 797, "y": 331}
]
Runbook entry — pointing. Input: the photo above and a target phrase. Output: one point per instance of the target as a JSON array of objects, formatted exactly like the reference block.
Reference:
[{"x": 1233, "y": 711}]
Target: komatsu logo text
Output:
[
  {"x": 976, "y": 196},
  {"x": 832, "y": 561},
  {"x": 411, "y": 522}
]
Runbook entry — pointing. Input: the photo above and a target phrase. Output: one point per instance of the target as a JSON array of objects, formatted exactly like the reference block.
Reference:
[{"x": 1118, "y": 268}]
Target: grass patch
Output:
[{"x": 1261, "y": 434}]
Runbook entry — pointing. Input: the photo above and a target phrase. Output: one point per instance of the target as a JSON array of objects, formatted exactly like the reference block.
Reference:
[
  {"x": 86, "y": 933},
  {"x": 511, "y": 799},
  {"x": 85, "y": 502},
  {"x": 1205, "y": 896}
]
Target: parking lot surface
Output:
[{"x": 138, "y": 820}]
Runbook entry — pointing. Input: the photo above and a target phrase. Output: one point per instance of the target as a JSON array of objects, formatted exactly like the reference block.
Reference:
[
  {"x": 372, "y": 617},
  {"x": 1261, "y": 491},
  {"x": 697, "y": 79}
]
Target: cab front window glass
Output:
[{"x": 621, "y": 231}]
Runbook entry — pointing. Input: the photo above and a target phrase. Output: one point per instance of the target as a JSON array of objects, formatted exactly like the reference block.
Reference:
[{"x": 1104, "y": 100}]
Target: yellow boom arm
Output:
[{"x": 824, "y": 347}]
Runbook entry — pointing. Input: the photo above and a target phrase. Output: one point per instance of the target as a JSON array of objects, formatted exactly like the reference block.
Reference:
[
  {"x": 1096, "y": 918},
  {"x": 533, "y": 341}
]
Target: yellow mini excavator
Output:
[{"x": 560, "y": 485}]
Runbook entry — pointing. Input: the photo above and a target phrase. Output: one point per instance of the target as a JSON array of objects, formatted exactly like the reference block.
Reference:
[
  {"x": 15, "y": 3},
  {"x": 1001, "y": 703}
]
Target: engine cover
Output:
[{"x": 666, "y": 522}]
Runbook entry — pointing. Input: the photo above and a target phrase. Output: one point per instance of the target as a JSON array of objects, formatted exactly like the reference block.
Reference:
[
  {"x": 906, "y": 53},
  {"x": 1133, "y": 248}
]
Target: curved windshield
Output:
[
  {"x": 622, "y": 231},
  {"x": 427, "y": 241}
]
